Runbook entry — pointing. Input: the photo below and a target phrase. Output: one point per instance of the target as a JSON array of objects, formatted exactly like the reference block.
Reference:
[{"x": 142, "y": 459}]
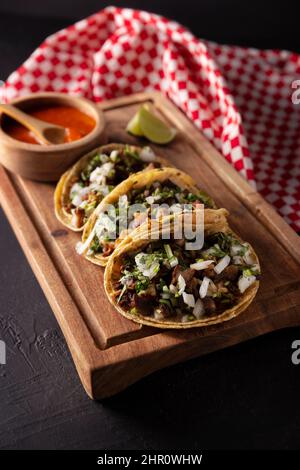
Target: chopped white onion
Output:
[
  {"x": 105, "y": 225},
  {"x": 245, "y": 282},
  {"x": 204, "y": 287},
  {"x": 158, "y": 315},
  {"x": 198, "y": 309},
  {"x": 76, "y": 188},
  {"x": 114, "y": 155},
  {"x": 181, "y": 284},
  {"x": 201, "y": 265},
  {"x": 77, "y": 194},
  {"x": 173, "y": 262},
  {"x": 188, "y": 299},
  {"x": 222, "y": 264},
  {"x": 104, "y": 158},
  {"x": 99, "y": 188},
  {"x": 82, "y": 247},
  {"x": 101, "y": 172},
  {"x": 76, "y": 200},
  {"x": 147, "y": 155}
]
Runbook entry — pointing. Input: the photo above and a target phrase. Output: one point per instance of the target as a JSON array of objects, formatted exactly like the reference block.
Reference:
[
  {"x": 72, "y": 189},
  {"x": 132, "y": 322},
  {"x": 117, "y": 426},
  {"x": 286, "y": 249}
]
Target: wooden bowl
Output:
[{"x": 48, "y": 162}]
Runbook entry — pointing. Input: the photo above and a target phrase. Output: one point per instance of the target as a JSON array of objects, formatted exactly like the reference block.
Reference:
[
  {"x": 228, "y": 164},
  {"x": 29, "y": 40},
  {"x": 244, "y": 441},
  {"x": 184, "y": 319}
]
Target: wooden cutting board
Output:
[{"x": 109, "y": 351}]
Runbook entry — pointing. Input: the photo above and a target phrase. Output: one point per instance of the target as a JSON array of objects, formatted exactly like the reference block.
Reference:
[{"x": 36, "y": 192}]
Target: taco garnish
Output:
[
  {"x": 83, "y": 186},
  {"x": 154, "y": 194},
  {"x": 160, "y": 283}
]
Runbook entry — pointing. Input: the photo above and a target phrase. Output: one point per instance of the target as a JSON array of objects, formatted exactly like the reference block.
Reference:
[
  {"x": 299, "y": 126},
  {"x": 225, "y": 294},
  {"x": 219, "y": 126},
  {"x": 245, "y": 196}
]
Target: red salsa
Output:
[{"x": 77, "y": 123}]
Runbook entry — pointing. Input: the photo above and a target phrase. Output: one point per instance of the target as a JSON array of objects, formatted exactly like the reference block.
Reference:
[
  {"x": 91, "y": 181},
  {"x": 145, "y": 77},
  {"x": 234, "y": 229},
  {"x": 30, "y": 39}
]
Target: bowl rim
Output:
[{"x": 96, "y": 111}]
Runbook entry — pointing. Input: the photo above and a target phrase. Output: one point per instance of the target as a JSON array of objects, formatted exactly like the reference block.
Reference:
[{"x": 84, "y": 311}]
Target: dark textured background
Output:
[{"x": 246, "y": 396}]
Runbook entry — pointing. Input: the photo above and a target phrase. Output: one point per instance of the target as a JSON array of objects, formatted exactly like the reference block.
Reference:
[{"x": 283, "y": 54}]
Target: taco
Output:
[
  {"x": 85, "y": 184},
  {"x": 160, "y": 283},
  {"x": 153, "y": 193}
]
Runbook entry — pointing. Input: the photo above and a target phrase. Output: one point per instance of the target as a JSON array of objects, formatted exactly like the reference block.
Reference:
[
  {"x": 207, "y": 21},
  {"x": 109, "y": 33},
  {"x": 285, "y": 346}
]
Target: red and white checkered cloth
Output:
[{"x": 240, "y": 98}]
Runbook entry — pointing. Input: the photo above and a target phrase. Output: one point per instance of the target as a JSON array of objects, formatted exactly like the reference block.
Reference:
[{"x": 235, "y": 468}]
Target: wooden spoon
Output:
[{"x": 45, "y": 132}]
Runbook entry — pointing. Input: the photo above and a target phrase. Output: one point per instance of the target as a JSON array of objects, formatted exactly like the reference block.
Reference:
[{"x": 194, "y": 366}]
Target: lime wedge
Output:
[
  {"x": 153, "y": 128},
  {"x": 145, "y": 124},
  {"x": 134, "y": 126}
]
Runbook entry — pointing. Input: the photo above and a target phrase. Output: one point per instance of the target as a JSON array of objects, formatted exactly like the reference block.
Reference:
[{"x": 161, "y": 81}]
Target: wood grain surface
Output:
[{"x": 109, "y": 351}]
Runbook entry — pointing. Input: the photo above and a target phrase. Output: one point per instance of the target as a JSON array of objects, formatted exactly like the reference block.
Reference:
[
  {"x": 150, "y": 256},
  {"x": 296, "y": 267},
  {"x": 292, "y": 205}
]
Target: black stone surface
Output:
[{"x": 246, "y": 396}]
